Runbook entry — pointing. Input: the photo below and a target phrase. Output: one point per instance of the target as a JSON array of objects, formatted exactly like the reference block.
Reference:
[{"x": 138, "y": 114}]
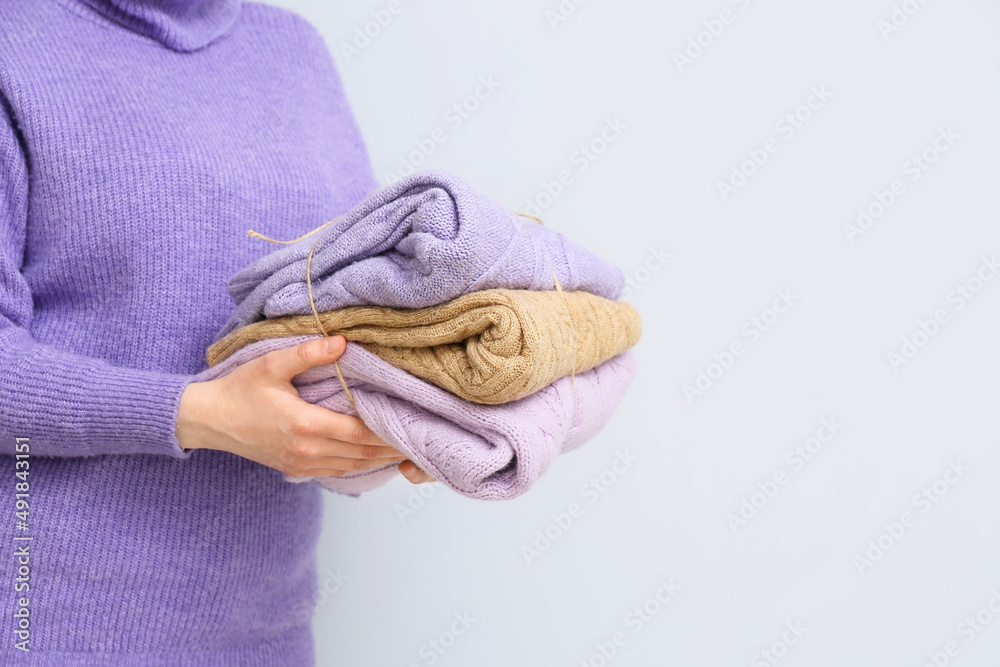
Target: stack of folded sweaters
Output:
[{"x": 481, "y": 343}]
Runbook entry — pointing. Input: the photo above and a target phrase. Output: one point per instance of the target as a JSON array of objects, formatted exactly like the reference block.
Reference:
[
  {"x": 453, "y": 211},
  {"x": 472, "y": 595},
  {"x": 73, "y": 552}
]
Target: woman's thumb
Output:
[{"x": 291, "y": 361}]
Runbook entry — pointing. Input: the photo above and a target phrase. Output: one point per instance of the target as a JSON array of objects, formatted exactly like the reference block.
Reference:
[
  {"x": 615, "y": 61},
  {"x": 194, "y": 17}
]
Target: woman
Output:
[{"x": 139, "y": 140}]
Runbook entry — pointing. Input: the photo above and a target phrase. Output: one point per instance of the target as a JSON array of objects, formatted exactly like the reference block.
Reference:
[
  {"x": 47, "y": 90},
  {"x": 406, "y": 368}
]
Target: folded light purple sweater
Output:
[
  {"x": 424, "y": 240},
  {"x": 489, "y": 452}
]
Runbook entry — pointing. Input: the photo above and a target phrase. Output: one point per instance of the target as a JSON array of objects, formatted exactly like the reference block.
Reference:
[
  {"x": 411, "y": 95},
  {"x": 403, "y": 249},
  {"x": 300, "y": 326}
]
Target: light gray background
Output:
[{"x": 655, "y": 186}]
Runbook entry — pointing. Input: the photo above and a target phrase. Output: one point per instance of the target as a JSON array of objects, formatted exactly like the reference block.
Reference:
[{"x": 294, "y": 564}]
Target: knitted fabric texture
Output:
[
  {"x": 138, "y": 141},
  {"x": 424, "y": 240},
  {"x": 488, "y": 452},
  {"x": 491, "y": 347}
]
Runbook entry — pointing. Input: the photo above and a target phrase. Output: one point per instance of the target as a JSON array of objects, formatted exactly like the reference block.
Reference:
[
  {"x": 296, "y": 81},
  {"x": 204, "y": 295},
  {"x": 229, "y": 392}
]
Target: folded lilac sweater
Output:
[
  {"x": 419, "y": 242},
  {"x": 489, "y": 452}
]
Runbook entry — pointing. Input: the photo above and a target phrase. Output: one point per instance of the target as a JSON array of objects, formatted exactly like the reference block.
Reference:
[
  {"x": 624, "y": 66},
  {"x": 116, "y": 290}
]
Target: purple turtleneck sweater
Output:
[{"x": 139, "y": 140}]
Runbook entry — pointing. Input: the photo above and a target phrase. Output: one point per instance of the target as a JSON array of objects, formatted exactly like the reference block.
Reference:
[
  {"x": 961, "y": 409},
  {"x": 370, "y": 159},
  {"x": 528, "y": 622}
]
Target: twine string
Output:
[
  {"x": 528, "y": 215},
  {"x": 312, "y": 303},
  {"x": 319, "y": 322},
  {"x": 258, "y": 235}
]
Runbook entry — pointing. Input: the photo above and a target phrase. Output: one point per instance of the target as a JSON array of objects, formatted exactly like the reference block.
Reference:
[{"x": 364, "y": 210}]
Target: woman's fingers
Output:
[
  {"x": 311, "y": 452},
  {"x": 338, "y": 466},
  {"x": 413, "y": 474},
  {"x": 320, "y": 440},
  {"x": 353, "y": 452},
  {"x": 313, "y": 421},
  {"x": 289, "y": 362}
]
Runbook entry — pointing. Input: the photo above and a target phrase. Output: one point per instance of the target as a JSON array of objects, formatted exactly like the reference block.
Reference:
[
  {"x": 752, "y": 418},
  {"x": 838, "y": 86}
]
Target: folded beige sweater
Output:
[{"x": 493, "y": 346}]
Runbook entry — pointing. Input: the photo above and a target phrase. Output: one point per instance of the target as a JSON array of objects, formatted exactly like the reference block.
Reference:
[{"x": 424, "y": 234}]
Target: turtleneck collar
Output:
[{"x": 182, "y": 25}]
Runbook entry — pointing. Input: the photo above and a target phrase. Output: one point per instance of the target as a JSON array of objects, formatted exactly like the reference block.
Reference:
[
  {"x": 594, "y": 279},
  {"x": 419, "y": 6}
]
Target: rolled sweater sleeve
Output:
[{"x": 67, "y": 404}]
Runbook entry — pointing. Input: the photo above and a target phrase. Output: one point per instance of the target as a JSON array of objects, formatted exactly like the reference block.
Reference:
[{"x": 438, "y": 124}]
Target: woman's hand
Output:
[{"x": 255, "y": 412}]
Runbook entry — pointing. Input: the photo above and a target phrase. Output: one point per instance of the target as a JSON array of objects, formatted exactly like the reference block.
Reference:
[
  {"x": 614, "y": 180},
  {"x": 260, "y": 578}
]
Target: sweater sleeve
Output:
[{"x": 66, "y": 404}]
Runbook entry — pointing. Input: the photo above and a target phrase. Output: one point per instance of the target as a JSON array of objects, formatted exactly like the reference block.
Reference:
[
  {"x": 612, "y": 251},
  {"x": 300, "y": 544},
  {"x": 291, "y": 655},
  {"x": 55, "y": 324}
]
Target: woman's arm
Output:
[{"x": 67, "y": 404}]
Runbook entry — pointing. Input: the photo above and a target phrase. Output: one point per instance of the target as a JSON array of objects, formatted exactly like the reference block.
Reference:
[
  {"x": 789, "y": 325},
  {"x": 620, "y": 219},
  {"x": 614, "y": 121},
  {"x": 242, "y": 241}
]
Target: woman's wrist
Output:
[{"x": 189, "y": 420}]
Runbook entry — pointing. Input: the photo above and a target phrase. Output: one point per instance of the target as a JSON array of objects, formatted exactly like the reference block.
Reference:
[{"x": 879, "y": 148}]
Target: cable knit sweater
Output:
[
  {"x": 490, "y": 347},
  {"x": 139, "y": 140}
]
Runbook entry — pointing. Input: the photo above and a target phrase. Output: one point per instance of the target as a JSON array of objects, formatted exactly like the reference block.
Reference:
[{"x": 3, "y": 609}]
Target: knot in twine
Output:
[{"x": 319, "y": 322}]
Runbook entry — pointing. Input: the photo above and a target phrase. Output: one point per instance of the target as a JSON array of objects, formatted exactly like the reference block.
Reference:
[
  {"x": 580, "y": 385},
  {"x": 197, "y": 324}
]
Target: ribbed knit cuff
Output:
[{"x": 73, "y": 405}]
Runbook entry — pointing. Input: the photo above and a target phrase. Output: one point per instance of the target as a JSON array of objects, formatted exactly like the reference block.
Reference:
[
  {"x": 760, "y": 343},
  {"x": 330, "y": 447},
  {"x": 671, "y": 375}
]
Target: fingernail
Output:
[{"x": 332, "y": 345}]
